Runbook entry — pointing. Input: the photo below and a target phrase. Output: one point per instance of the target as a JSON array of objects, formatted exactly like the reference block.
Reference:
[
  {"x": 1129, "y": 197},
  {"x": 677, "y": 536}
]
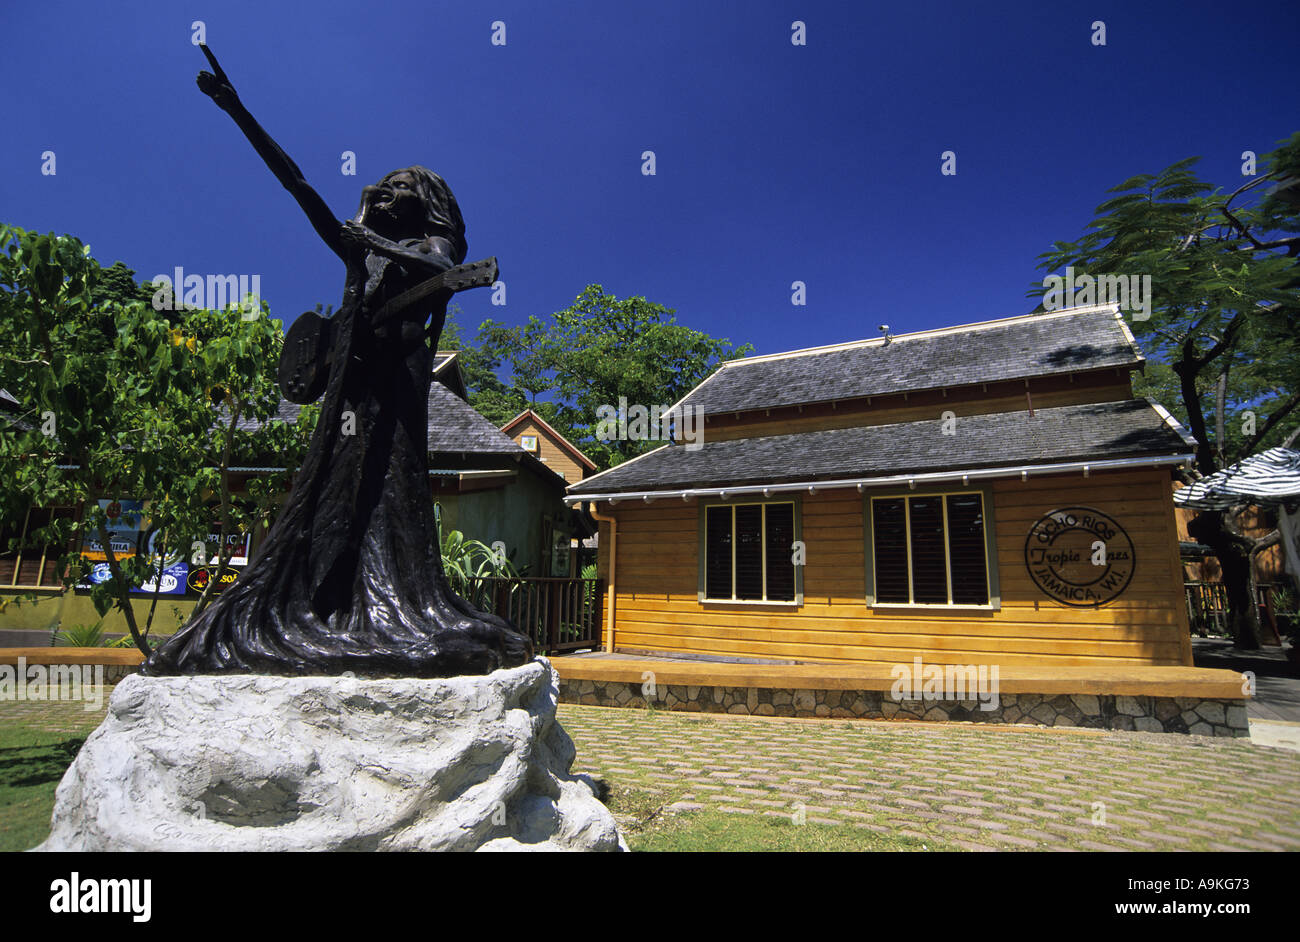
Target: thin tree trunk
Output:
[
  {"x": 1213, "y": 529},
  {"x": 223, "y": 485},
  {"x": 1265, "y": 542},
  {"x": 124, "y": 599},
  {"x": 1220, "y": 407},
  {"x": 157, "y": 590}
]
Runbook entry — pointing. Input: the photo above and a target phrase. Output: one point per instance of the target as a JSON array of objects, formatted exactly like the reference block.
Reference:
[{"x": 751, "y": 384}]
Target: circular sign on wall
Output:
[{"x": 1079, "y": 556}]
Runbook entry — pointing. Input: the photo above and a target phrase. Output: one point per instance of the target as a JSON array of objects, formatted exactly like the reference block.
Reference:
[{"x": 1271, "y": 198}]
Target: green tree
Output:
[
  {"x": 117, "y": 284},
  {"x": 599, "y": 351},
  {"x": 117, "y": 399},
  {"x": 479, "y": 363},
  {"x": 602, "y": 352},
  {"x": 1223, "y": 333},
  {"x": 607, "y": 350}
]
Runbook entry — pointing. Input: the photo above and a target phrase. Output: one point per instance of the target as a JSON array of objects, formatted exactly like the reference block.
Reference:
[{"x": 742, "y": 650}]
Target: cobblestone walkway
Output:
[
  {"x": 969, "y": 787},
  {"x": 961, "y": 786}
]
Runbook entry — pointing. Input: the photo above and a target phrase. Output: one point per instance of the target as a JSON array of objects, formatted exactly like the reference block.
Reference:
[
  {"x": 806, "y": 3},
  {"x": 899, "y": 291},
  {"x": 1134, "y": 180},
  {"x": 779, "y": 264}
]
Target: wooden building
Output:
[
  {"x": 536, "y": 436},
  {"x": 985, "y": 494},
  {"x": 492, "y": 489}
]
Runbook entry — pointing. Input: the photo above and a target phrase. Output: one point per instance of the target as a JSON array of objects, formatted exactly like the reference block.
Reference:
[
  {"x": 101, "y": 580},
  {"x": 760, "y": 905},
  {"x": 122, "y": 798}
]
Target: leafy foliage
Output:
[
  {"x": 119, "y": 400},
  {"x": 89, "y": 636},
  {"x": 1224, "y": 331},
  {"x": 479, "y": 364},
  {"x": 596, "y": 352},
  {"x": 468, "y": 563}
]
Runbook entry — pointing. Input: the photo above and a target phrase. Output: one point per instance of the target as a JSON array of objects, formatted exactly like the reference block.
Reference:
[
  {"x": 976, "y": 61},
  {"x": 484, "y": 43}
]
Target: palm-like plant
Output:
[
  {"x": 89, "y": 636},
  {"x": 469, "y": 563}
]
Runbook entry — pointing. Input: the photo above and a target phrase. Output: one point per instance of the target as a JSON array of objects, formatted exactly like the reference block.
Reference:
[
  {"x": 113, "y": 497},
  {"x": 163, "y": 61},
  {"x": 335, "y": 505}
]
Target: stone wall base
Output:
[{"x": 1192, "y": 715}]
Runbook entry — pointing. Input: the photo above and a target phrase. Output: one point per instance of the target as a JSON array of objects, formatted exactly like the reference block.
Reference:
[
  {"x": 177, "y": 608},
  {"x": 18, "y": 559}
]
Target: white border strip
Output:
[
  {"x": 1173, "y": 423},
  {"x": 1023, "y": 471}
]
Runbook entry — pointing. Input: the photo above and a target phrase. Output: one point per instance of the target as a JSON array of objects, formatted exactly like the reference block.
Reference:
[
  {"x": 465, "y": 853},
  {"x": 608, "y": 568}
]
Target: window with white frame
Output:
[
  {"x": 930, "y": 549},
  {"x": 748, "y": 553}
]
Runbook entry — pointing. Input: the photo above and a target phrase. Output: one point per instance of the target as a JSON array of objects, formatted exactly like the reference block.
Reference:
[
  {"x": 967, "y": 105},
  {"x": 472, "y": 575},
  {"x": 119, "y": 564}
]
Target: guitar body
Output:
[
  {"x": 304, "y": 367},
  {"x": 304, "y": 360}
]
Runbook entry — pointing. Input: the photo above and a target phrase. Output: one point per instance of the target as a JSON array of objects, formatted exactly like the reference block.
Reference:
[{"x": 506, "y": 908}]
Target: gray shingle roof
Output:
[
  {"x": 1016, "y": 348},
  {"x": 1129, "y": 428},
  {"x": 286, "y": 412},
  {"x": 455, "y": 426}
]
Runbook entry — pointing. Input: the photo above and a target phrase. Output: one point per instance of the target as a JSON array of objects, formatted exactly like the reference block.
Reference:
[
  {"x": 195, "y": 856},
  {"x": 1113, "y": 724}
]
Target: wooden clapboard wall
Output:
[
  {"x": 549, "y": 452},
  {"x": 657, "y": 608}
]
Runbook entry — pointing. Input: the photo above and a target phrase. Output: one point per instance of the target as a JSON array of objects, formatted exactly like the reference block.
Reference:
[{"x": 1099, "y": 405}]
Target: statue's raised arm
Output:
[{"x": 217, "y": 86}]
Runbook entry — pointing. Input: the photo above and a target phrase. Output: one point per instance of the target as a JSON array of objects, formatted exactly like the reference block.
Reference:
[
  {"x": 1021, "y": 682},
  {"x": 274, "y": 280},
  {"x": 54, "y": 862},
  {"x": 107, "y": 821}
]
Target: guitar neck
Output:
[{"x": 482, "y": 274}]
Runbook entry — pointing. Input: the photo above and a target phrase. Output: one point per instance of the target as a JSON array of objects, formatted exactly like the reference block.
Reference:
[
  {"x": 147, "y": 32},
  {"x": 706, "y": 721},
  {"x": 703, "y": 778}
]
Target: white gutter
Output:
[
  {"x": 613, "y": 572},
  {"x": 489, "y": 473},
  {"x": 1022, "y": 471}
]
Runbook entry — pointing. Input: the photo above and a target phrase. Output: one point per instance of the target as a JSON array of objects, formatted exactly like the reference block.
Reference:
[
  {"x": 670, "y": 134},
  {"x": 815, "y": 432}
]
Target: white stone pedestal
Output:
[{"x": 265, "y": 763}]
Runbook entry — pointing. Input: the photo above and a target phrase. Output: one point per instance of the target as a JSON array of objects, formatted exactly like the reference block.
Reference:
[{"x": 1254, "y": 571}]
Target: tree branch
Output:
[
  {"x": 1247, "y": 186},
  {"x": 1274, "y": 418},
  {"x": 1229, "y": 335},
  {"x": 1186, "y": 370},
  {"x": 1241, "y": 227}
]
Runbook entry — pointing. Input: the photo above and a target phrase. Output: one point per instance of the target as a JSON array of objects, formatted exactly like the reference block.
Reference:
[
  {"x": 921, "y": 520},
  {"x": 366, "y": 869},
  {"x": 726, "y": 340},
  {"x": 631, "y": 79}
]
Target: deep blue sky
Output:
[{"x": 775, "y": 163}]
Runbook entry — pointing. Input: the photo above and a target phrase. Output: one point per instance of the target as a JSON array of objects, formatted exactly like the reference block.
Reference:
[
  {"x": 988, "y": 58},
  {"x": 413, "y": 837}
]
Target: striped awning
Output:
[{"x": 1271, "y": 477}]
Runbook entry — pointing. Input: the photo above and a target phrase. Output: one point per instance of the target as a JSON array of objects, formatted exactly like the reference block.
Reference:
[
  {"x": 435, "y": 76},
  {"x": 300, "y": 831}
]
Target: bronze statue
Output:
[{"x": 350, "y": 576}]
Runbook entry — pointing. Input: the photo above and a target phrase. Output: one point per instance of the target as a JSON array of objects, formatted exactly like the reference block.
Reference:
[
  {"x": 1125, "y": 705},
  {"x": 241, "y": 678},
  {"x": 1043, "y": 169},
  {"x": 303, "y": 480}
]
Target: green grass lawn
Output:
[
  {"x": 31, "y": 765},
  {"x": 646, "y": 826},
  {"x": 38, "y": 741}
]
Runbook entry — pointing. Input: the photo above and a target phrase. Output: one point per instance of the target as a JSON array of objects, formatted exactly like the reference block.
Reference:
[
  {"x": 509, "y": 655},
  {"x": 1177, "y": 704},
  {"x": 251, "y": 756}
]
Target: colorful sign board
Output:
[{"x": 130, "y": 533}]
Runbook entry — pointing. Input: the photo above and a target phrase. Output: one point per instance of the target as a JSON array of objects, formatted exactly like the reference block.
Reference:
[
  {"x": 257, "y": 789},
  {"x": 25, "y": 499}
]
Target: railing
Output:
[
  {"x": 1207, "y": 606},
  {"x": 557, "y": 614}
]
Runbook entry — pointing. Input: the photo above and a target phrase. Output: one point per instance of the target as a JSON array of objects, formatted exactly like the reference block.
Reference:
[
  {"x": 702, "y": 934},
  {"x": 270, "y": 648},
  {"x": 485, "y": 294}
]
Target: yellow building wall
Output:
[
  {"x": 657, "y": 581},
  {"x": 548, "y": 451},
  {"x": 66, "y": 610}
]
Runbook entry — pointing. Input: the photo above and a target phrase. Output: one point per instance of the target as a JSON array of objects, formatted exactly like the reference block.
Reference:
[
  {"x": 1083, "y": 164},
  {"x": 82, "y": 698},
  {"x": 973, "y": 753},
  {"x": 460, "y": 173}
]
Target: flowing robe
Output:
[{"x": 350, "y": 578}]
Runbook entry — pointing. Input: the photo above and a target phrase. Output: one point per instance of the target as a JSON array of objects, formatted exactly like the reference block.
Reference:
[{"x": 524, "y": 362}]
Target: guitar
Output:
[{"x": 306, "y": 355}]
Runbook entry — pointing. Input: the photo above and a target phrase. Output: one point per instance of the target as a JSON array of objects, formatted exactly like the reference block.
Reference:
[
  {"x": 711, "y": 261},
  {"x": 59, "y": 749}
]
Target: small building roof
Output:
[
  {"x": 1080, "y": 433},
  {"x": 286, "y": 412},
  {"x": 456, "y": 426},
  {"x": 1067, "y": 341},
  {"x": 446, "y": 370}
]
